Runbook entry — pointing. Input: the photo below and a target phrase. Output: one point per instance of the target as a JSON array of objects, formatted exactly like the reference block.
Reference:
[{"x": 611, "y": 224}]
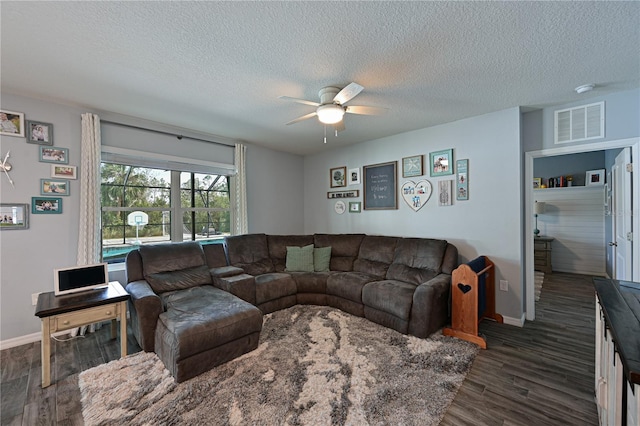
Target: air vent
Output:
[{"x": 579, "y": 123}]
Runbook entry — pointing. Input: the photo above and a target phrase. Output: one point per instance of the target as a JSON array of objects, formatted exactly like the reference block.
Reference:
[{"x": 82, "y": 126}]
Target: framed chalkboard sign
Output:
[{"x": 380, "y": 186}]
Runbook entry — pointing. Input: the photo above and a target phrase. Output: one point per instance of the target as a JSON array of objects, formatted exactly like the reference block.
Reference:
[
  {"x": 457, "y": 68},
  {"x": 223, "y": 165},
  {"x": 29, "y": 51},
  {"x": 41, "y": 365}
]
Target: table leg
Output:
[
  {"x": 114, "y": 328},
  {"x": 45, "y": 351},
  {"x": 123, "y": 329}
]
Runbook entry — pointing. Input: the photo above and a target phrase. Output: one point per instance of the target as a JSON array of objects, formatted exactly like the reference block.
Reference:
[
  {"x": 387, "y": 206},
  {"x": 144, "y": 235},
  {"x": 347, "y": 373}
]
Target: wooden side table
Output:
[
  {"x": 65, "y": 312},
  {"x": 542, "y": 254}
]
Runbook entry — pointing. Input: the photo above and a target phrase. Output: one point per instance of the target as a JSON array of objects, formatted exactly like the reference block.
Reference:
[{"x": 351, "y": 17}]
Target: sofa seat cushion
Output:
[
  {"x": 311, "y": 282},
  {"x": 202, "y": 318},
  {"x": 390, "y": 296},
  {"x": 274, "y": 286},
  {"x": 417, "y": 260},
  {"x": 348, "y": 285}
]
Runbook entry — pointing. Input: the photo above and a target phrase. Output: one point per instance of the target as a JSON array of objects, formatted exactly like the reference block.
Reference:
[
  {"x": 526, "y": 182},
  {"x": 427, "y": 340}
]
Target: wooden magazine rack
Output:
[{"x": 473, "y": 298}]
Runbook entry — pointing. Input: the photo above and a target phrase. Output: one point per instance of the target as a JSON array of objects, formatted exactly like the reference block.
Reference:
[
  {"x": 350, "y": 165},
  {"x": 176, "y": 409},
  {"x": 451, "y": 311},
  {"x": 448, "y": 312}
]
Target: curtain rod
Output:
[{"x": 179, "y": 137}]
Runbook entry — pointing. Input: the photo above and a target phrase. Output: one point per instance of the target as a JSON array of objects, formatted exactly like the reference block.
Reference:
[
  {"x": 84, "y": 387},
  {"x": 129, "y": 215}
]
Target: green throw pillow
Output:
[
  {"x": 321, "y": 259},
  {"x": 299, "y": 259}
]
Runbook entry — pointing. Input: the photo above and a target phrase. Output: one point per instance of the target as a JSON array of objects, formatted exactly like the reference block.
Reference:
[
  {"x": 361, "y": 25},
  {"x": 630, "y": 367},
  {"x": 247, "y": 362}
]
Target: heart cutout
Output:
[
  {"x": 416, "y": 194},
  {"x": 465, "y": 288}
]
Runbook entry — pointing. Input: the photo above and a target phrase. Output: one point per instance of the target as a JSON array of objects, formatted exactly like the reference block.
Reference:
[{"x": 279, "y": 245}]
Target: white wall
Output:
[
  {"x": 28, "y": 257},
  {"x": 489, "y": 223}
]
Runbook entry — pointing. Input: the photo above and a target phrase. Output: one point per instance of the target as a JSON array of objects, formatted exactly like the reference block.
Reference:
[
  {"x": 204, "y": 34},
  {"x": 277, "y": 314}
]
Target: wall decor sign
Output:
[
  {"x": 340, "y": 207},
  {"x": 54, "y": 155},
  {"x": 54, "y": 187},
  {"x": 39, "y": 132},
  {"x": 355, "y": 207},
  {"x": 343, "y": 194},
  {"x": 46, "y": 205},
  {"x": 444, "y": 192},
  {"x": 412, "y": 166},
  {"x": 380, "y": 186},
  {"x": 338, "y": 177},
  {"x": 441, "y": 162},
  {"x": 462, "y": 180},
  {"x": 354, "y": 176},
  {"x": 594, "y": 177},
  {"x": 11, "y": 123},
  {"x": 14, "y": 216},
  {"x": 416, "y": 194},
  {"x": 65, "y": 172}
]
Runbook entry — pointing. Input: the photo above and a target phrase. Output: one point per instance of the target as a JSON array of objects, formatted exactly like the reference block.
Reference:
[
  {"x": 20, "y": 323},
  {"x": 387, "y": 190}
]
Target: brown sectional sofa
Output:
[{"x": 401, "y": 283}]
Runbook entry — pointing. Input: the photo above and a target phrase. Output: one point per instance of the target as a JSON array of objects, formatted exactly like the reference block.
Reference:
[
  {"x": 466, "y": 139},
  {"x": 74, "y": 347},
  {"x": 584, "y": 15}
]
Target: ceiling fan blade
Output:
[
  {"x": 366, "y": 110},
  {"x": 304, "y": 117},
  {"x": 300, "y": 101},
  {"x": 348, "y": 93},
  {"x": 339, "y": 126}
]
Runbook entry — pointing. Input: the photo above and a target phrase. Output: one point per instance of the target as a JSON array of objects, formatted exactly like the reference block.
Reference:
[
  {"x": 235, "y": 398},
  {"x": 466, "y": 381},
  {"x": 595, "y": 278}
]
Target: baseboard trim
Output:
[
  {"x": 518, "y": 322},
  {"x": 21, "y": 340}
]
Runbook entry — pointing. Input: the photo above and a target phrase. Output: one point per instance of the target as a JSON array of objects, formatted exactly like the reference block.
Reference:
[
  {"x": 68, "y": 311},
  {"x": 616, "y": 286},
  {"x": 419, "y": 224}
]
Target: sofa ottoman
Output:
[{"x": 203, "y": 327}]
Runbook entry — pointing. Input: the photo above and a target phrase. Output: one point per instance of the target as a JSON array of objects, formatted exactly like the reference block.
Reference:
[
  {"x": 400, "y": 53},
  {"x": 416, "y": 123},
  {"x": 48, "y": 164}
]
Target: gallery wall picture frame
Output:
[
  {"x": 39, "y": 133},
  {"x": 594, "y": 178},
  {"x": 354, "y": 176},
  {"x": 64, "y": 172},
  {"x": 355, "y": 207},
  {"x": 338, "y": 177},
  {"x": 14, "y": 216},
  {"x": 54, "y": 187},
  {"x": 413, "y": 166},
  {"x": 354, "y": 193},
  {"x": 340, "y": 207},
  {"x": 441, "y": 162},
  {"x": 54, "y": 155},
  {"x": 462, "y": 180},
  {"x": 46, "y": 205},
  {"x": 444, "y": 192},
  {"x": 380, "y": 189},
  {"x": 11, "y": 123}
]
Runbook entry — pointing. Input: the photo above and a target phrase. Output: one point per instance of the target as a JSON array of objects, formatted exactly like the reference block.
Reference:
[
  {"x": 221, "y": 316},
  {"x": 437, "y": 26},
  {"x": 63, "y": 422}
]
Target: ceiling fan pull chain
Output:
[{"x": 325, "y": 134}]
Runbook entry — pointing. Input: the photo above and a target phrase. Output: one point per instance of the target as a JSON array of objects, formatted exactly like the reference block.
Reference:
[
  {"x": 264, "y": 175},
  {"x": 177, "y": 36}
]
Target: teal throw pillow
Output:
[
  {"x": 299, "y": 259},
  {"x": 321, "y": 259}
]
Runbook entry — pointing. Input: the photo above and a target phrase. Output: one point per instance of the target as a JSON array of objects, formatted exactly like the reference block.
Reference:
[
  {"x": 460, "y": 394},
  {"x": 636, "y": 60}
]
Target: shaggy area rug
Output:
[{"x": 314, "y": 366}]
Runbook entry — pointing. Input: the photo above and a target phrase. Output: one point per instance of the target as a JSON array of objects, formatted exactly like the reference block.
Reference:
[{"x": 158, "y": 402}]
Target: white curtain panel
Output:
[
  {"x": 89, "y": 235},
  {"x": 240, "y": 220}
]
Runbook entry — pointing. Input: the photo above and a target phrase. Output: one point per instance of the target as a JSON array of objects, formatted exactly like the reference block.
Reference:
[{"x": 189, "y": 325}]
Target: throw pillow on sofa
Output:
[
  {"x": 321, "y": 259},
  {"x": 299, "y": 259}
]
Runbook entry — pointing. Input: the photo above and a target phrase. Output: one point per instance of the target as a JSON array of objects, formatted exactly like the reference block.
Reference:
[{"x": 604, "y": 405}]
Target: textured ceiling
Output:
[{"x": 219, "y": 67}]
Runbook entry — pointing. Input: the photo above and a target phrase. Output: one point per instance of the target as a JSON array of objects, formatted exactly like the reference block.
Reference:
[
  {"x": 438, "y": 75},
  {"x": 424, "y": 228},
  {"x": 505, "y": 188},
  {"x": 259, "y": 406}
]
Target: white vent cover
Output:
[{"x": 579, "y": 123}]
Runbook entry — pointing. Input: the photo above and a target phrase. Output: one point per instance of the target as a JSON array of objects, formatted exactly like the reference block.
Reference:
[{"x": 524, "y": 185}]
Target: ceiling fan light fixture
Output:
[
  {"x": 330, "y": 114},
  {"x": 585, "y": 88}
]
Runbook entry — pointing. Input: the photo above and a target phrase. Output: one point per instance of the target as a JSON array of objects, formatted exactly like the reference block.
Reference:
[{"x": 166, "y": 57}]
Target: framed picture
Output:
[
  {"x": 66, "y": 172},
  {"x": 54, "y": 155},
  {"x": 14, "y": 216},
  {"x": 462, "y": 180},
  {"x": 343, "y": 194},
  {"x": 594, "y": 177},
  {"x": 340, "y": 207},
  {"x": 39, "y": 132},
  {"x": 338, "y": 177},
  {"x": 46, "y": 205},
  {"x": 355, "y": 207},
  {"x": 444, "y": 193},
  {"x": 441, "y": 162},
  {"x": 412, "y": 166},
  {"x": 537, "y": 183},
  {"x": 11, "y": 123},
  {"x": 380, "y": 186},
  {"x": 54, "y": 187},
  {"x": 354, "y": 176}
]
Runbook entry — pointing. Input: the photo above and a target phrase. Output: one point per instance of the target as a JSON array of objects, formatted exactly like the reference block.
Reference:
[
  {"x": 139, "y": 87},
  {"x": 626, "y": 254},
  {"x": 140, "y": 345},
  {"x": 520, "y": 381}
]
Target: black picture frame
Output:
[{"x": 380, "y": 188}]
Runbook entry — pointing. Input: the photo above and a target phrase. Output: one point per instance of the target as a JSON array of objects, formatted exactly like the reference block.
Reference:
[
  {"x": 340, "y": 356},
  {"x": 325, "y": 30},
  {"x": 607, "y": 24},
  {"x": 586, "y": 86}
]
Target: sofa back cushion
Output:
[
  {"x": 249, "y": 252},
  {"x": 174, "y": 266},
  {"x": 278, "y": 247},
  {"x": 344, "y": 249},
  {"x": 417, "y": 260},
  {"x": 375, "y": 256}
]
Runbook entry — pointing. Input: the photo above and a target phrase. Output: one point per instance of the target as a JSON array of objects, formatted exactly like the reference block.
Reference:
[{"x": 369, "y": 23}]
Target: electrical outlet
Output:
[
  {"x": 504, "y": 285},
  {"x": 34, "y": 299}
]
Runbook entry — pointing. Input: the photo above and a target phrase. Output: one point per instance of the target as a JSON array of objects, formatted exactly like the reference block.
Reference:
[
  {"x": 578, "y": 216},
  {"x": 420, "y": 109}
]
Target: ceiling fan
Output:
[{"x": 331, "y": 108}]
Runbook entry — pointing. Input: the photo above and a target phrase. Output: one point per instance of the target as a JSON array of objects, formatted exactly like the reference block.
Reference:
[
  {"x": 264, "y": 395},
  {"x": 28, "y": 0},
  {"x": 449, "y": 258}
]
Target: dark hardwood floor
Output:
[{"x": 541, "y": 374}]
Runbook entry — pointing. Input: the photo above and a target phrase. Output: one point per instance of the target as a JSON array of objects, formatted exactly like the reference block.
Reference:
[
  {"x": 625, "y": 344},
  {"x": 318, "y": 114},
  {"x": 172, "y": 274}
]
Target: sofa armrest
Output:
[
  {"x": 225, "y": 271},
  {"x": 144, "y": 307},
  {"x": 430, "y": 309}
]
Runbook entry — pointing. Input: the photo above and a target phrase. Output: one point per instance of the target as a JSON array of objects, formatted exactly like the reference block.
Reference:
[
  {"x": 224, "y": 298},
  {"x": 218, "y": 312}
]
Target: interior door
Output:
[{"x": 621, "y": 215}]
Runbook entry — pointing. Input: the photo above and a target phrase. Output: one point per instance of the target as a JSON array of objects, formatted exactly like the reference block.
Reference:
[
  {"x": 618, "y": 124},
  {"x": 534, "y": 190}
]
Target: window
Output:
[{"x": 180, "y": 206}]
